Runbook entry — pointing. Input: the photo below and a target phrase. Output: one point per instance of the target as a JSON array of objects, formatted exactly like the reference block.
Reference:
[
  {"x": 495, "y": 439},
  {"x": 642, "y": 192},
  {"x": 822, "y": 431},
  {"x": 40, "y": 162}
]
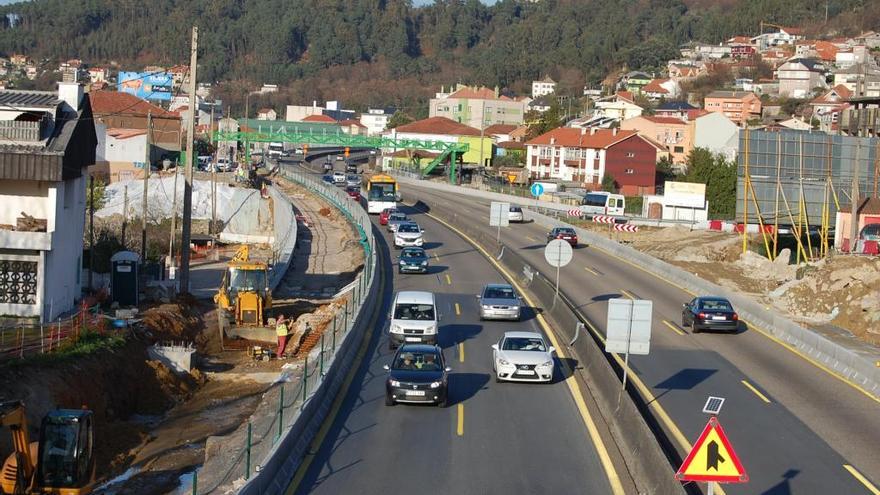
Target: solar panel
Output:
[{"x": 713, "y": 405}]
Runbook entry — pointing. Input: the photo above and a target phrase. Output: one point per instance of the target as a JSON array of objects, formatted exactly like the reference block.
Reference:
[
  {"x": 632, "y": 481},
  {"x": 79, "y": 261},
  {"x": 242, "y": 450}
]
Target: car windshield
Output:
[
  {"x": 515, "y": 209},
  {"x": 499, "y": 293},
  {"x": 246, "y": 280},
  {"x": 382, "y": 191},
  {"x": 424, "y": 312},
  {"x": 417, "y": 361},
  {"x": 397, "y": 216},
  {"x": 353, "y": 178},
  {"x": 408, "y": 228},
  {"x": 715, "y": 305},
  {"x": 594, "y": 200},
  {"x": 523, "y": 344},
  {"x": 412, "y": 253},
  {"x": 565, "y": 231}
]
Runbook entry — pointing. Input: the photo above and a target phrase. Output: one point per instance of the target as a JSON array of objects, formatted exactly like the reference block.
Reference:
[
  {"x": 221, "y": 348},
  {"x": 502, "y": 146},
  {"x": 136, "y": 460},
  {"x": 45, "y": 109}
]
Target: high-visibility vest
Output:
[{"x": 281, "y": 329}]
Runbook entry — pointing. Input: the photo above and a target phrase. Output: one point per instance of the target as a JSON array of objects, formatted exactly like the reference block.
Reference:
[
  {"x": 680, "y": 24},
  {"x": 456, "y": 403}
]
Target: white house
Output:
[
  {"x": 618, "y": 107},
  {"x": 296, "y": 113},
  {"x": 46, "y": 143},
  {"x": 266, "y": 114},
  {"x": 799, "y": 76},
  {"x": 375, "y": 120},
  {"x": 784, "y": 36},
  {"x": 717, "y": 133},
  {"x": 543, "y": 87}
]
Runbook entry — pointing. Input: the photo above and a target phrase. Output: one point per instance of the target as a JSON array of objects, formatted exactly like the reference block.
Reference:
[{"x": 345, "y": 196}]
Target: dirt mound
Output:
[{"x": 181, "y": 320}]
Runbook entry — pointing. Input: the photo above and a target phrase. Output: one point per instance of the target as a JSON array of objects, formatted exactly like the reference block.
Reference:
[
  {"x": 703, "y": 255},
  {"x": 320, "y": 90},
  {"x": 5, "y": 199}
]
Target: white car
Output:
[
  {"x": 407, "y": 235},
  {"x": 339, "y": 178},
  {"x": 515, "y": 214},
  {"x": 522, "y": 357}
]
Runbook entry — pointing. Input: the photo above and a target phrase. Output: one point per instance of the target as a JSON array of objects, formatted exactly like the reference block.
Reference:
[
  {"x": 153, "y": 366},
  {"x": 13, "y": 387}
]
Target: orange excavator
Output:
[{"x": 60, "y": 463}]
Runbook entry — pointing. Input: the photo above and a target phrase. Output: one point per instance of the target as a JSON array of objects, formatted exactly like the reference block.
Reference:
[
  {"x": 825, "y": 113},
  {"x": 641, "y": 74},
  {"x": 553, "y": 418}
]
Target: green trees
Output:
[
  {"x": 609, "y": 184},
  {"x": 719, "y": 175}
]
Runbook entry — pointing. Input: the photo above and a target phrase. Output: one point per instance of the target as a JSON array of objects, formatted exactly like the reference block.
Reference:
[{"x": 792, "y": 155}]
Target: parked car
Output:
[
  {"x": 417, "y": 373},
  {"x": 327, "y": 178},
  {"x": 340, "y": 158},
  {"x": 408, "y": 234},
  {"x": 499, "y": 302},
  {"x": 522, "y": 357},
  {"x": 565, "y": 233},
  {"x": 383, "y": 217},
  {"x": 395, "y": 219},
  {"x": 515, "y": 214},
  {"x": 412, "y": 259},
  {"x": 339, "y": 178},
  {"x": 709, "y": 313},
  {"x": 353, "y": 192}
]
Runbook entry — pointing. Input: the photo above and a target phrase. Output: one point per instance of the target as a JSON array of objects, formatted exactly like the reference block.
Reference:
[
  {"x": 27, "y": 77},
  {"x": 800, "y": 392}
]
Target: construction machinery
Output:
[
  {"x": 244, "y": 297},
  {"x": 60, "y": 463}
]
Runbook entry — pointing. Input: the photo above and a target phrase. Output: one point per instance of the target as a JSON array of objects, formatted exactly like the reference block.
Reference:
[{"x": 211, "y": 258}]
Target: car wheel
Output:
[
  {"x": 388, "y": 400},
  {"x": 442, "y": 404},
  {"x": 696, "y": 329},
  {"x": 684, "y": 322}
]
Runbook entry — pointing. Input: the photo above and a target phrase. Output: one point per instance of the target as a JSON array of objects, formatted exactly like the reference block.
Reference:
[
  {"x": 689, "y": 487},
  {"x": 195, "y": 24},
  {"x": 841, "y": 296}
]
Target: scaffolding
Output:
[{"x": 797, "y": 181}]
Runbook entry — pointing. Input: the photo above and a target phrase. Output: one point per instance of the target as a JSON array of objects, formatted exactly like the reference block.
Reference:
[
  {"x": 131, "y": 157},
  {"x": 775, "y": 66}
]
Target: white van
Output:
[
  {"x": 414, "y": 318},
  {"x": 603, "y": 203}
]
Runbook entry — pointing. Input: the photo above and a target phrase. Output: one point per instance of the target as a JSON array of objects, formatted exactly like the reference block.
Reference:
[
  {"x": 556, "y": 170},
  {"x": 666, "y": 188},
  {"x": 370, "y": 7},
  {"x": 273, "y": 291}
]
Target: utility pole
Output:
[
  {"x": 124, "y": 216},
  {"x": 173, "y": 217},
  {"x": 853, "y": 218},
  {"x": 147, "y": 167},
  {"x": 91, "y": 229},
  {"x": 213, "y": 181},
  {"x": 188, "y": 177}
]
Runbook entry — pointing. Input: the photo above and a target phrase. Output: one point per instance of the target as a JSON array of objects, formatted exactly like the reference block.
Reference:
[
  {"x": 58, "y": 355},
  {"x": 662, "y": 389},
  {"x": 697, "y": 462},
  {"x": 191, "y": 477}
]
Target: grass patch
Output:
[
  {"x": 88, "y": 343},
  {"x": 634, "y": 205}
]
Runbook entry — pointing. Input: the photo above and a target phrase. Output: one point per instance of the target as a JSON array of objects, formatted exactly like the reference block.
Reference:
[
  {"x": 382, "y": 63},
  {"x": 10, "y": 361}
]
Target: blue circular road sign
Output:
[{"x": 537, "y": 190}]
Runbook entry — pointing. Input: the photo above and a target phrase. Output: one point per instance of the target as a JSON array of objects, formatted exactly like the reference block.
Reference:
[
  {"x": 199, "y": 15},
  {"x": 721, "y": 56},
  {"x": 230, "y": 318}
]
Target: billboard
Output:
[
  {"x": 146, "y": 85},
  {"x": 688, "y": 194}
]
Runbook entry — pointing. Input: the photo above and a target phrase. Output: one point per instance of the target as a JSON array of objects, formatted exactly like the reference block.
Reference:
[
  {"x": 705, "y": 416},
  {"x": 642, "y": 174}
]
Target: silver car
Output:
[
  {"x": 395, "y": 219},
  {"x": 499, "y": 302}
]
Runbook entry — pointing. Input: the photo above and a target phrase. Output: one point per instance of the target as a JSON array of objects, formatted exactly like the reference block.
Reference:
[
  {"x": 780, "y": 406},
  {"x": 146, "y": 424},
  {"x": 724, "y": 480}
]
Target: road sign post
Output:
[
  {"x": 537, "y": 190},
  {"x": 499, "y": 217},
  {"x": 628, "y": 329},
  {"x": 558, "y": 253}
]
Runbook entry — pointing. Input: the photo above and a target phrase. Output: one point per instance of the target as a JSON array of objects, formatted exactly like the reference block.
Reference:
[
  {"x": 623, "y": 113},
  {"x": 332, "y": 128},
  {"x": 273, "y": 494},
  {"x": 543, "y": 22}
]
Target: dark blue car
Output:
[
  {"x": 417, "y": 374},
  {"x": 412, "y": 259},
  {"x": 328, "y": 179}
]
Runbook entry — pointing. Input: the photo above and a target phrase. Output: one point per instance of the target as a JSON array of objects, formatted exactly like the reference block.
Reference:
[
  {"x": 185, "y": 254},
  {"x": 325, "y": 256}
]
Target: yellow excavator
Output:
[
  {"x": 244, "y": 293},
  {"x": 60, "y": 463}
]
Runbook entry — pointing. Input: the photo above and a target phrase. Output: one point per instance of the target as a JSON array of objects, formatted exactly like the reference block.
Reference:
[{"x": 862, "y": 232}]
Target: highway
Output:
[
  {"x": 492, "y": 438},
  {"x": 797, "y": 428}
]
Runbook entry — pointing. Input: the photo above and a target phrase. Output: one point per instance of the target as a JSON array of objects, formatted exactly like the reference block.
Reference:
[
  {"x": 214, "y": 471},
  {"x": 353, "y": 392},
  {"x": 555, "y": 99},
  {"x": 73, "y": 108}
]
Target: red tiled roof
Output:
[
  {"x": 573, "y": 138},
  {"x": 829, "y": 98},
  {"x": 353, "y": 122},
  {"x": 826, "y": 50},
  {"x": 481, "y": 93},
  {"x": 500, "y": 129},
  {"x": 120, "y": 103},
  {"x": 663, "y": 120},
  {"x": 320, "y": 118},
  {"x": 125, "y": 133},
  {"x": 740, "y": 39},
  {"x": 626, "y": 95},
  {"x": 439, "y": 125},
  {"x": 655, "y": 86}
]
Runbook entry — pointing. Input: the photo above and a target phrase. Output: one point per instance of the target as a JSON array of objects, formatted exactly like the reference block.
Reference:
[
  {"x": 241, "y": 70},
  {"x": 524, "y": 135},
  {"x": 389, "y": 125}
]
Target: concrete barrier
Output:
[
  {"x": 284, "y": 240},
  {"x": 840, "y": 353},
  {"x": 649, "y": 465}
]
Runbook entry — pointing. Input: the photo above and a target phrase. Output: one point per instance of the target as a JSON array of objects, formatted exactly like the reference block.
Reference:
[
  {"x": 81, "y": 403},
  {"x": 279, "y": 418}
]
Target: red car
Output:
[
  {"x": 383, "y": 217},
  {"x": 354, "y": 193},
  {"x": 565, "y": 233}
]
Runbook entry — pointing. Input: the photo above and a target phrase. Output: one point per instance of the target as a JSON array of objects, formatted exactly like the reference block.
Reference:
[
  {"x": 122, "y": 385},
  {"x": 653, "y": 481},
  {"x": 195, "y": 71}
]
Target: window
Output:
[
  {"x": 630, "y": 171},
  {"x": 630, "y": 154},
  {"x": 678, "y": 149}
]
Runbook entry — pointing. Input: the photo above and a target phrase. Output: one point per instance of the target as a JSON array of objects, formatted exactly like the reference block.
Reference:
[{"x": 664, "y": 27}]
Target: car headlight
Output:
[
  {"x": 394, "y": 383},
  {"x": 486, "y": 306},
  {"x": 503, "y": 362},
  {"x": 435, "y": 384},
  {"x": 396, "y": 329},
  {"x": 424, "y": 263},
  {"x": 546, "y": 365}
]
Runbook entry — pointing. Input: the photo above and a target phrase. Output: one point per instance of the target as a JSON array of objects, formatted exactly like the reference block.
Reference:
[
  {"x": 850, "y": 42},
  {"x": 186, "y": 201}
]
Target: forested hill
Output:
[{"x": 506, "y": 44}]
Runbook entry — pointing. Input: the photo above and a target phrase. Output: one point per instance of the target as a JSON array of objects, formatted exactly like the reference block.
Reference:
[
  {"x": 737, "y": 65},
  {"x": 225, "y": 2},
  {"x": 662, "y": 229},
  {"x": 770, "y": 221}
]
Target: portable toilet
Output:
[{"x": 124, "y": 278}]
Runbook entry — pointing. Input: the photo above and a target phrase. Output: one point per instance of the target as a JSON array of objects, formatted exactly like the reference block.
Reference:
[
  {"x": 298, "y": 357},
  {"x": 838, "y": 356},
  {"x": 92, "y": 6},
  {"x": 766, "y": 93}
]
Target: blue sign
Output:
[
  {"x": 146, "y": 85},
  {"x": 537, "y": 190}
]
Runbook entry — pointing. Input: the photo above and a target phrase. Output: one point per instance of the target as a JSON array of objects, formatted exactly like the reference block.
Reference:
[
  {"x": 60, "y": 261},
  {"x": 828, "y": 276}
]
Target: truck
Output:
[{"x": 276, "y": 150}]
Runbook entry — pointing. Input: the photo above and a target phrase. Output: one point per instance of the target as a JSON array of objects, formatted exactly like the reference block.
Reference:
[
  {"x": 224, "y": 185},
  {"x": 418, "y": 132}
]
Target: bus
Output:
[{"x": 382, "y": 193}]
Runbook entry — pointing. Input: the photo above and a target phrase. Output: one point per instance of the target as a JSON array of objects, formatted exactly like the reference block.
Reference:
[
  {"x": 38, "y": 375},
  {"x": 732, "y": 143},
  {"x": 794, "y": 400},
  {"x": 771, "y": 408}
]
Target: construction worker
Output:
[{"x": 283, "y": 333}]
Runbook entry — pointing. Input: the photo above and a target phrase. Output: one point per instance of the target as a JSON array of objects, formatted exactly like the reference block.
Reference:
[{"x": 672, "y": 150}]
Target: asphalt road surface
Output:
[
  {"x": 492, "y": 438},
  {"x": 797, "y": 429}
]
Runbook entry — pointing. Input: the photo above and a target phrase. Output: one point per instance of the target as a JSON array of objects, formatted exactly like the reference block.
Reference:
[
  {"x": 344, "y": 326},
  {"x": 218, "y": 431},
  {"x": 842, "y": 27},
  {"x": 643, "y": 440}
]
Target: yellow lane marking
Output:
[
  {"x": 531, "y": 238},
  {"x": 756, "y": 391},
  {"x": 763, "y": 332},
  {"x": 571, "y": 381},
  {"x": 627, "y": 294},
  {"x": 337, "y": 403},
  {"x": 461, "y": 352},
  {"x": 594, "y": 272},
  {"x": 436, "y": 257},
  {"x": 448, "y": 280},
  {"x": 457, "y": 310},
  {"x": 460, "y": 428},
  {"x": 857, "y": 475},
  {"x": 673, "y": 327}
]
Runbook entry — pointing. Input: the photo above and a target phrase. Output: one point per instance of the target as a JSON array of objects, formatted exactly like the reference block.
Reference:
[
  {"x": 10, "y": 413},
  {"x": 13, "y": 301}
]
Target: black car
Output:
[
  {"x": 351, "y": 168},
  {"x": 417, "y": 374},
  {"x": 567, "y": 234},
  {"x": 709, "y": 313},
  {"x": 412, "y": 259}
]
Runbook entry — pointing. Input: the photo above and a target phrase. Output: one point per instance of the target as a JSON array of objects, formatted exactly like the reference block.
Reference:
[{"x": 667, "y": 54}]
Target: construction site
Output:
[{"x": 172, "y": 384}]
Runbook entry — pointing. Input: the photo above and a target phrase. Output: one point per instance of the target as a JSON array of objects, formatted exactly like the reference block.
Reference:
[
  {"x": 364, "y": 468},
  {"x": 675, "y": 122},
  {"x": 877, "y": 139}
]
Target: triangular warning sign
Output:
[{"x": 712, "y": 458}]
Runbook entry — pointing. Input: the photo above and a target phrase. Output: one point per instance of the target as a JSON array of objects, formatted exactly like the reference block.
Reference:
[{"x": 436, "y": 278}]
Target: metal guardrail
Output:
[{"x": 272, "y": 444}]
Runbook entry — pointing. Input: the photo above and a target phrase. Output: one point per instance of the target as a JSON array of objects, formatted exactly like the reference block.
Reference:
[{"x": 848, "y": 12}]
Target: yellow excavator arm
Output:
[{"x": 18, "y": 471}]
